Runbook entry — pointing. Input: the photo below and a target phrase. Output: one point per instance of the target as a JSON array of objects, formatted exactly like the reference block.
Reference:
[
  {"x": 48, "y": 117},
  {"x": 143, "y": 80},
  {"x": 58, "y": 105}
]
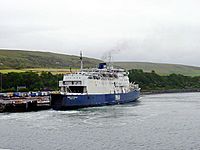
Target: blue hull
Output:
[{"x": 65, "y": 102}]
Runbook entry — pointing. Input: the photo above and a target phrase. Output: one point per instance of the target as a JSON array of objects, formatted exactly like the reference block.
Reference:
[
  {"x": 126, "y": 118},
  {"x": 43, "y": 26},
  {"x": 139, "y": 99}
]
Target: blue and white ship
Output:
[{"x": 94, "y": 87}]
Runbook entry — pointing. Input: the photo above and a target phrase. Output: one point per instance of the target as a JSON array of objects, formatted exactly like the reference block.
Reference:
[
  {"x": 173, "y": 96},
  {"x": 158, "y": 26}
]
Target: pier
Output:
[{"x": 24, "y": 104}]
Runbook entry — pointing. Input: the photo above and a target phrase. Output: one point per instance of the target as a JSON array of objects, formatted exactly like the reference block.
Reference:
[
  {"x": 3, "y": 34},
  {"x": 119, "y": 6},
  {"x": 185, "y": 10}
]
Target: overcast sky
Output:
[{"x": 166, "y": 31}]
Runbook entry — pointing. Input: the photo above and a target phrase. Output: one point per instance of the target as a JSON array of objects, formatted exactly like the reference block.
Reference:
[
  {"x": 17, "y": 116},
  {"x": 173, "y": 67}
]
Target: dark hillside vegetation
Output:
[
  {"x": 147, "y": 81},
  {"x": 30, "y": 80},
  {"x": 153, "y": 81}
]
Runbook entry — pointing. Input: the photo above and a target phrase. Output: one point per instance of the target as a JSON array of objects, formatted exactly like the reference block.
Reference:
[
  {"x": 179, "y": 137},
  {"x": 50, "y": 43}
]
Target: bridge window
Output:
[{"x": 77, "y": 89}]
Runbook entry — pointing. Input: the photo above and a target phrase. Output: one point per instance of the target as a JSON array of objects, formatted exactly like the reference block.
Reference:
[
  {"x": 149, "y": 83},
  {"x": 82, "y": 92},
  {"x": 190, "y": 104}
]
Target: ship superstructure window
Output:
[
  {"x": 76, "y": 89},
  {"x": 72, "y": 82}
]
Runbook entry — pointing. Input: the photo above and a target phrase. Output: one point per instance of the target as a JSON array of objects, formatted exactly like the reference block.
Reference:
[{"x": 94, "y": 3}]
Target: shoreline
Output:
[{"x": 149, "y": 92}]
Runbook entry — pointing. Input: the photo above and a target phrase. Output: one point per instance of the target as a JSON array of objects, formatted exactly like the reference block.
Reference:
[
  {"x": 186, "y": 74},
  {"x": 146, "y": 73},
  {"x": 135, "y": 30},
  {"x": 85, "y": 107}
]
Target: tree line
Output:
[
  {"x": 32, "y": 81},
  {"x": 153, "y": 81}
]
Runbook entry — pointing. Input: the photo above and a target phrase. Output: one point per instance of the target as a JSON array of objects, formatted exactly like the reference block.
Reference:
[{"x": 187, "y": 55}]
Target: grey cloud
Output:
[{"x": 146, "y": 30}]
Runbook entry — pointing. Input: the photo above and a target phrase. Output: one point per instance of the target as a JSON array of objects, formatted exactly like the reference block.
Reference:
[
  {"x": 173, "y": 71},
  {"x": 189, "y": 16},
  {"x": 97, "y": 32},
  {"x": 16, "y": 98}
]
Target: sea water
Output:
[{"x": 161, "y": 121}]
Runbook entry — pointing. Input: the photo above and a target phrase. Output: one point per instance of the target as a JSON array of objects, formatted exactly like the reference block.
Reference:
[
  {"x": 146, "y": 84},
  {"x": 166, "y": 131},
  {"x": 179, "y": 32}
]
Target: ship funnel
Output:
[{"x": 102, "y": 65}]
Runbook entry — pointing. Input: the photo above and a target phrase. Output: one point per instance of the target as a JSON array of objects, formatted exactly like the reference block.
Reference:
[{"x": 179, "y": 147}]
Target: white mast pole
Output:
[{"x": 109, "y": 60}]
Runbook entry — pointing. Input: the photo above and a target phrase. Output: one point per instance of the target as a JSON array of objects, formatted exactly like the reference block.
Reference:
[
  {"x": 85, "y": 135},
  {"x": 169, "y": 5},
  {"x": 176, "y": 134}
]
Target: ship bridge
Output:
[{"x": 73, "y": 83}]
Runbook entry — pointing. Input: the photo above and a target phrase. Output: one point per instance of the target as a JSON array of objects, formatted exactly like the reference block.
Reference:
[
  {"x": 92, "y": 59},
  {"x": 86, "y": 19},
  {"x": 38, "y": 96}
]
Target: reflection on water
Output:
[{"x": 162, "y": 121}]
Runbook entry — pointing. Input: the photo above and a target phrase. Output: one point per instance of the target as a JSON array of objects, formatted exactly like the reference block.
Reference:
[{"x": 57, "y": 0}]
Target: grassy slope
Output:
[
  {"x": 39, "y": 70},
  {"x": 10, "y": 59},
  {"x": 162, "y": 69}
]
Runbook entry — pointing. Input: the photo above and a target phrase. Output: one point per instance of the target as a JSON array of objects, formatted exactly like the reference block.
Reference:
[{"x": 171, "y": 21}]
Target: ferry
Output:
[{"x": 100, "y": 86}]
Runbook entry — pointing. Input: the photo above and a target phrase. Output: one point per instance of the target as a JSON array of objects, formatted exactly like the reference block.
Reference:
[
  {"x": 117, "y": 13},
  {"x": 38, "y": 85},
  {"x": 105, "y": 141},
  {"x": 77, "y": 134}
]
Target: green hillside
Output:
[
  {"x": 17, "y": 59},
  {"x": 162, "y": 69},
  {"x": 20, "y": 61}
]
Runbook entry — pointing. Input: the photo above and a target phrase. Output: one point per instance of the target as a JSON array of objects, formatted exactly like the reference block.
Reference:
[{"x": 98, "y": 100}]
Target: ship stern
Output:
[{"x": 57, "y": 101}]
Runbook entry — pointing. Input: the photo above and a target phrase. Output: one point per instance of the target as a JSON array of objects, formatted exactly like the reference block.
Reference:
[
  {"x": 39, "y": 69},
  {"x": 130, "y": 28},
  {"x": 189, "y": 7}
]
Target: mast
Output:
[
  {"x": 81, "y": 58},
  {"x": 109, "y": 60}
]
